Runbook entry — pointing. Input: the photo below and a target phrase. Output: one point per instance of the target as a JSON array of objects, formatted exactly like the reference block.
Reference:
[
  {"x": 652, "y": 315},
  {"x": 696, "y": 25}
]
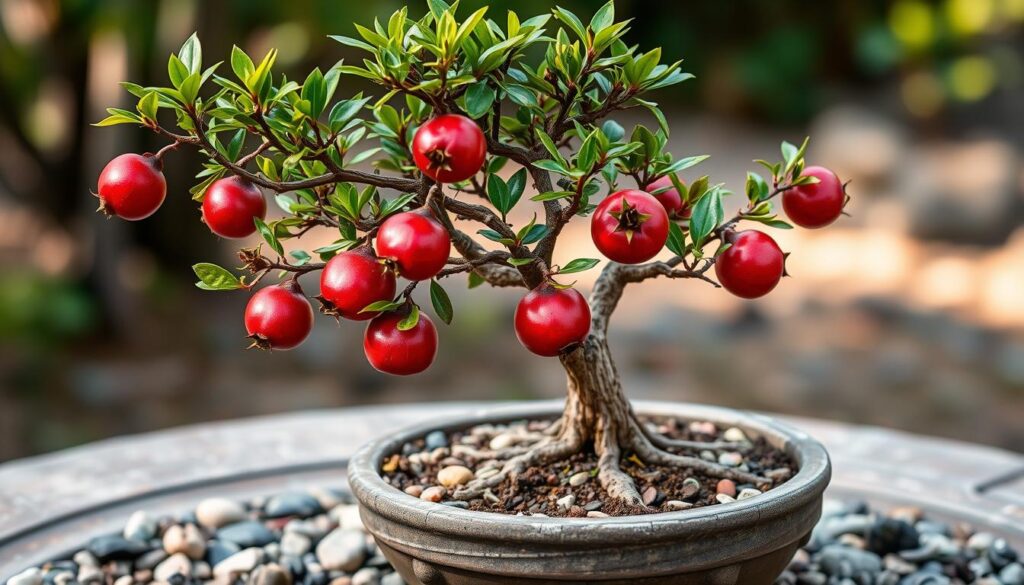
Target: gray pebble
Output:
[
  {"x": 217, "y": 512},
  {"x": 246, "y": 534},
  {"x": 436, "y": 440},
  {"x": 31, "y": 576},
  {"x": 241, "y": 562},
  {"x": 140, "y": 526},
  {"x": 344, "y": 550},
  {"x": 176, "y": 564},
  {"x": 296, "y": 504},
  {"x": 366, "y": 576}
]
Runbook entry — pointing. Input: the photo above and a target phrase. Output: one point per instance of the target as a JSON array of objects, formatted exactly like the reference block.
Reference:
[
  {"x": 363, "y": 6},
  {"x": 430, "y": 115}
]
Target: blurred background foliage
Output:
[{"x": 909, "y": 314}]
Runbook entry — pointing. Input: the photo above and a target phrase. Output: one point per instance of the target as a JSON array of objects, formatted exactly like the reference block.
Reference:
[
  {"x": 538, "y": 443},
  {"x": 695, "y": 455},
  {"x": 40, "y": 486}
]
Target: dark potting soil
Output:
[{"x": 570, "y": 487}]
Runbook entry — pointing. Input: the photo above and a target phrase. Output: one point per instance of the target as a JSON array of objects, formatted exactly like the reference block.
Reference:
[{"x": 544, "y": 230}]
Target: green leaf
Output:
[
  {"x": 442, "y": 304},
  {"x": 572, "y": 21},
  {"x": 579, "y": 265},
  {"x": 114, "y": 119},
  {"x": 707, "y": 214},
  {"x": 676, "y": 240},
  {"x": 757, "y": 188},
  {"x": 604, "y": 17},
  {"x": 520, "y": 261},
  {"x": 410, "y": 320},
  {"x": 613, "y": 130},
  {"x": 176, "y": 71},
  {"x": 191, "y": 54},
  {"x": 532, "y": 235},
  {"x": 301, "y": 257},
  {"x": 149, "y": 104},
  {"x": 552, "y": 195},
  {"x": 213, "y": 277},
  {"x": 479, "y": 99},
  {"x": 314, "y": 90},
  {"x": 549, "y": 145},
  {"x": 475, "y": 280},
  {"x": 269, "y": 236},
  {"x": 381, "y": 306},
  {"x": 241, "y": 64},
  {"x": 498, "y": 194},
  {"x": 495, "y": 236}
]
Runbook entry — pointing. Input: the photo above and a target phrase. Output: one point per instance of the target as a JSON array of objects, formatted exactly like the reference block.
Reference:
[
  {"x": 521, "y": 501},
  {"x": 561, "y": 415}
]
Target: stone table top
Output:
[{"x": 46, "y": 502}]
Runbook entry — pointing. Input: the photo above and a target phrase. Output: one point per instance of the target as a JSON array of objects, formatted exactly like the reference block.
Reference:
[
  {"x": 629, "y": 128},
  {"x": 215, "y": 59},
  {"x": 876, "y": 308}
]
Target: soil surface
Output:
[{"x": 570, "y": 488}]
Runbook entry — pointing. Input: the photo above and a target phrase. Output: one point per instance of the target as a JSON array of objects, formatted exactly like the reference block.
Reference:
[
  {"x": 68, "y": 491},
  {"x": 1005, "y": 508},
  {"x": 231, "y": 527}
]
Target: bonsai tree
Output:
[{"x": 460, "y": 101}]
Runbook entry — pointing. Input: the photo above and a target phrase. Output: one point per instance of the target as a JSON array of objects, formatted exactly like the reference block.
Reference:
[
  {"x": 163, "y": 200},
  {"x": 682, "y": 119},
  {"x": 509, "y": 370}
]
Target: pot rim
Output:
[{"x": 394, "y": 505}]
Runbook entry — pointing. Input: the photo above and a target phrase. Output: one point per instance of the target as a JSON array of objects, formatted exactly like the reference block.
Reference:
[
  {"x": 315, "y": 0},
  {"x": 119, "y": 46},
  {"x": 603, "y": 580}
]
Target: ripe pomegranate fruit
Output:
[
  {"x": 551, "y": 320},
  {"x": 818, "y": 204},
  {"x": 402, "y": 353},
  {"x": 353, "y": 280},
  {"x": 449, "y": 148},
  {"x": 416, "y": 242},
  {"x": 132, "y": 186},
  {"x": 752, "y": 266},
  {"x": 279, "y": 316},
  {"x": 670, "y": 198},
  {"x": 229, "y": 206},
  {"x": 629, "y": 226}
]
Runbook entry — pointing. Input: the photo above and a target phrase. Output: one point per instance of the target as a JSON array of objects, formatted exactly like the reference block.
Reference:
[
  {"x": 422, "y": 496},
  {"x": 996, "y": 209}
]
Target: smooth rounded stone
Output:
[
  {"x": 218, "y": 550},
  {"x": 185, "y": 539},
  {"x": 151, "y": 559},
  {"x": 852, "y": 541},
  {"x": 841, "y": 561},
  {"x": 84, "y": 558},
  {"x": 578, "y": 479},
  {"x": 889, "y": 535},
  {"x": 502, "y": 441},
  {"x": 1012, "y": 574},
  {"x": 1001, "y": 554},
  {"x": 981, "y": 541},
  {"x": 691, "y": 487},
  {"x": 592, "y": 506},
  {"x": 124, "y": 580},
  {"x": 392, "y": 579},
  {"x": 708, "y": 455},
  {"x": 269, "y": 574},
  {"x": 347, "y": 516},
  {"x": 90, "y": 576},
  {"x": 366, "y": 576},
  {"x": 176, "y": 564},
  {"x": 735, "y": 435},
  {"x": 730, "y": 459},
  {"x": 343, "y": 550},
  {"x": 329, "y": 497},
  {"x": 456, "y": 504},
  {"x": 596, "y": 514},
  {"x": 433, "y": 494},
  {"x": 454, "y": 476},
  {"x": 201, "y": 570},
  {"x": 724, "y": 499},
  {"x": 677, "y": 505},
  {"x": 934, "y": 546},
  {"x": 566, "y": 502},
  {"x": 748, "y": 493},
  {"x": 727, "y": 487},
  {"x": 218, "y": 512},
  {"x": 140, "y": 526},
  {"x": 833, "y": 526},
  {"x": 272, "y": 551},
  {"x": 651, "y": 496},
  {"x": 296, "y": 504},
  {"x": 240, "y": 562},
  {"x": 703, "y": 428},
  {"x": 414, "y": 490},
  {"x": 31, "y": 576},
  {"x": 116, "y": 548},
  {"x": 295, "y": 544},
  {"x": 436, "y": 440},
  {"x": 922, "y": 578},
  {"x": 246, "y": 534}
]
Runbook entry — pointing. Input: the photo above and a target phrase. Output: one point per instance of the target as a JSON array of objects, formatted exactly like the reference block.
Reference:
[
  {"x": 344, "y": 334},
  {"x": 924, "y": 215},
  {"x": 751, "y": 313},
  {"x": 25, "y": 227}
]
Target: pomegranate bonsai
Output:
[{"x": 464, "y": 122}]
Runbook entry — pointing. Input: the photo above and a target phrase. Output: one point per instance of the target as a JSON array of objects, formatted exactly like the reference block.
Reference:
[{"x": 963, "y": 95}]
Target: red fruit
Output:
[
  {"x": 353, "y": 280},
  {"x": 551, "y": 320},
  {"x": 670, "y": 198},
  {"x": 752, "y": 266},
  {"x": 818, "y": 204},
  {"x": 629, "y": 226},
  {"x": 416, "y": 242},
  {"x": 229, "y": 206},
  {"x": 279, "y": 317},
  {"x": 393, "y": 351},
  {"x": 132, "y": 186},
  {"x": 450, "y": 148}
]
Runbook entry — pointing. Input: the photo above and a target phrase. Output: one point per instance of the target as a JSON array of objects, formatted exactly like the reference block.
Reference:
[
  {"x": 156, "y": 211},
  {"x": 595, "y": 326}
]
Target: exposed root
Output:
[
  {"x": 662, "y": 442},
  {"x": 651, "y": 454},
  {"x": 546, "y": 451},
  {"x": 616, "y": 482}
]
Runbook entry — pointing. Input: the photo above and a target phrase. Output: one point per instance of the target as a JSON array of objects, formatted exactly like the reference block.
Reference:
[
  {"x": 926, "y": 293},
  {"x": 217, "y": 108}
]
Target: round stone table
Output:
[{"x": 51, "y": 504}]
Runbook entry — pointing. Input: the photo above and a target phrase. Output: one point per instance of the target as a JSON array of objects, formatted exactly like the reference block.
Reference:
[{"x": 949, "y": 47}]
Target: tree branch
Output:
[{"x": 614, "y": 277}]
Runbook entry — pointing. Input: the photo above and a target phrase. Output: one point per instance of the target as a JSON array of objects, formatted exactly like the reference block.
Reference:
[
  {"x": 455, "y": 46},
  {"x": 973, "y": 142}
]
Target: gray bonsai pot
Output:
[{"x": 747, "y": 542}]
